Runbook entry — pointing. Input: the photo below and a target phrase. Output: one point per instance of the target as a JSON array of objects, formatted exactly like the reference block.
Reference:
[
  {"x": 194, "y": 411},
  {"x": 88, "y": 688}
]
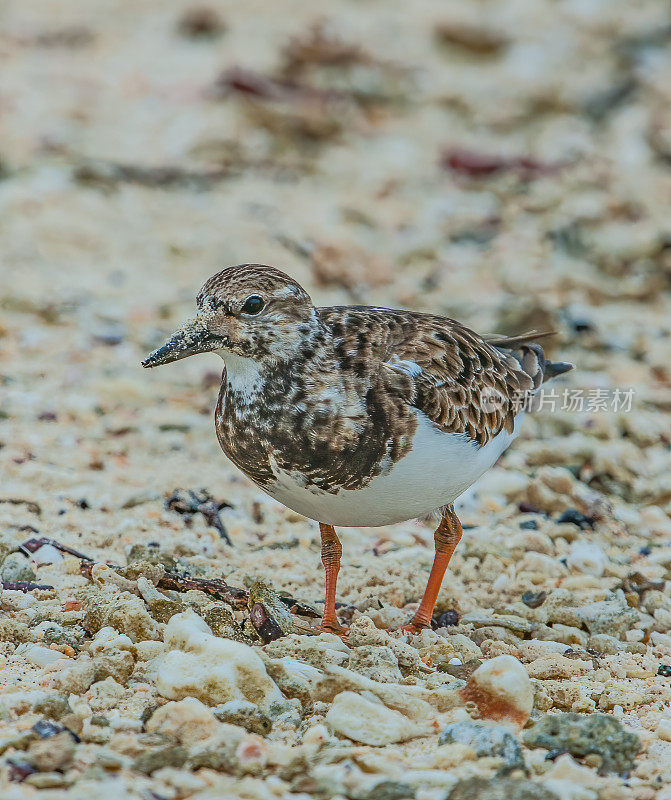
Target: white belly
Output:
[{"x": 438, "y": 468}]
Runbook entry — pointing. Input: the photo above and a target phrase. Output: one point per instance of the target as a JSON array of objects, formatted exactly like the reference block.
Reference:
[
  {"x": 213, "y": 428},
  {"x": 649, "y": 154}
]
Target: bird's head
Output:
[{"x": 251, "y": 310}]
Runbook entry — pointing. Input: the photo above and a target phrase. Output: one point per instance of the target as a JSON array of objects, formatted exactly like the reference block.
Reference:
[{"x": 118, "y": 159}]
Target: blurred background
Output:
[{"x": 506, "y": 163}]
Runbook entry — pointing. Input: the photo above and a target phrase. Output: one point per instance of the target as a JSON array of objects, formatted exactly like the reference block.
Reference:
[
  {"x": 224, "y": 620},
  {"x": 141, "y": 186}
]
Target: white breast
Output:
[
  {"x": 242, "y": 374},
  {"x": 438, "y": 468}
]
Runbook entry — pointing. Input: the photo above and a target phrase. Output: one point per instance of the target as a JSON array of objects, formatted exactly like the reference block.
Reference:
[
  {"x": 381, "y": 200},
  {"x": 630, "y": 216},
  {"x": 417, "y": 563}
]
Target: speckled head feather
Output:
[
  {"x": 282, "y": 321},
  {"x": 231, "y": 286}
]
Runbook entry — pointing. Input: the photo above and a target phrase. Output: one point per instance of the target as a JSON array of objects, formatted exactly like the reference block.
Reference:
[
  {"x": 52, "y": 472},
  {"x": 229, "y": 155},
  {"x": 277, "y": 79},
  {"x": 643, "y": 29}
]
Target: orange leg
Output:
[
  {"x": 446, "y": 537},
  {"x": 331, "y": 553}
]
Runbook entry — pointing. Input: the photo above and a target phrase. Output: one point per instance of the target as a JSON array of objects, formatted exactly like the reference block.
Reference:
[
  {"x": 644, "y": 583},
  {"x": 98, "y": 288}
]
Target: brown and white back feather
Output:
[{"x": 463, "y": 382}]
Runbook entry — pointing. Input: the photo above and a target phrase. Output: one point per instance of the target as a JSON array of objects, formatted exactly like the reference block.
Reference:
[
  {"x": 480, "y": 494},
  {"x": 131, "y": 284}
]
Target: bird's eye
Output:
[{"x": 253, "y": 305}]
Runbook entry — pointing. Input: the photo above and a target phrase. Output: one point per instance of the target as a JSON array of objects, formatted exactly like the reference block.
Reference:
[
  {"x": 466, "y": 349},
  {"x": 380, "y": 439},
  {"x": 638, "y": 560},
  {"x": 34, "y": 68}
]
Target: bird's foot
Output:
[
  {"x": 414, "y": 627},
  {"x": 332, "y": 626}
]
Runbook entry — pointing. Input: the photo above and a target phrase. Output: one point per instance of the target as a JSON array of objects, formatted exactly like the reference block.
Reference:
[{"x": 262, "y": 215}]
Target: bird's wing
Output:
[{"x": 463, "y": 382}]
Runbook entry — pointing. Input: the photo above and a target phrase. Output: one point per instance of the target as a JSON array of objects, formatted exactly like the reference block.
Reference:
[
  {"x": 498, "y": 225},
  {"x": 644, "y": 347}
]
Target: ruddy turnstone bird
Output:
[{"x": 357, "y": 415}]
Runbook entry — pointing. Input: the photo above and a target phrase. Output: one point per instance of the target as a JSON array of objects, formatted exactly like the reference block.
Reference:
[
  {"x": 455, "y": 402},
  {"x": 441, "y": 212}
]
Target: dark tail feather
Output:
[
  {"x": 498, "y": 340},
  {"x": 554, "y": 368},
  {"x": 530, "y": 355}
]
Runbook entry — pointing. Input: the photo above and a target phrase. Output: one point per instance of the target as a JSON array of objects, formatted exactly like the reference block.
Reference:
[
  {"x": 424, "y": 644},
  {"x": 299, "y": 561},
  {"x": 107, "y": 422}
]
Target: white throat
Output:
[{"x": 243, "y": 375}]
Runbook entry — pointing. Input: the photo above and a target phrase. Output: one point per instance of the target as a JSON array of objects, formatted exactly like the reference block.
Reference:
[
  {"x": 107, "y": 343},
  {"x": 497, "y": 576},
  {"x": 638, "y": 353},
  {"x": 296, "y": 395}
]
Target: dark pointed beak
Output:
[{"x": 193, "y": 337}]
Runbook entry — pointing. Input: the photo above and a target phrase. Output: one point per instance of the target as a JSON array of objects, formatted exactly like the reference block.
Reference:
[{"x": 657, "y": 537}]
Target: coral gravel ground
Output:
[{"x": 506, "y": 164}]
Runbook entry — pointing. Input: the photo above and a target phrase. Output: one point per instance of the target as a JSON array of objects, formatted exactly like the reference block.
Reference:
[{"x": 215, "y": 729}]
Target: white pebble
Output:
[
  {"x": 367, "y": 720},
  {"x": 16, "y": 601},
  {"x": 571, "y": 781},
  {"x": 40, "y": 656},
  {"x": 47, "y": 554},
  {"x": 188, "y": 721},
  {"x": 536, "y": 648},
  {"x": 125, "y": 723},
  {"x": 587, "y": 558},
  {"x": 201, "y": 665},
  {"x": 502, "y": 691},
  {"x": 300, "y": 668},
  {"x": 501, "y": 582},
  {"x": 109, "y": 638}
]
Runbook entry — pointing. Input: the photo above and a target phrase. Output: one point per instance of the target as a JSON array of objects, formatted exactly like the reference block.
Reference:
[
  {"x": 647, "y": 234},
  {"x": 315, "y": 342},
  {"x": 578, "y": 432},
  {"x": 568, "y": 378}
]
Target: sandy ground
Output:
[{"x": 508, "y": 164}]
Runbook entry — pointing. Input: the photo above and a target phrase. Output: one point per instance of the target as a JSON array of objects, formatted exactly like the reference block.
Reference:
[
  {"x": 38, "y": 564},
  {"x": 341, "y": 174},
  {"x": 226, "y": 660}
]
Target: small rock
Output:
[
  {"x": 117, "y": 664},
  {"x": 571, "y": 781},
  {"x": 246, "y": 715},
  {"x": 77, "y": 678},
  {"x": 19, "y": 769},
  {"x": 17, "y": 741},
  {"x": 221, "y": 621},
  {"x": 147, "y": 651},
  {"x": 369, "y": 721},
  {"x": 105, "y": 695},
  {"x": 537, "y": 648},
  {"x": 172, "y": 755},
  {"x": 565, "y": 634},
  {"x": 461, "y": 671},
  {"x": 501, "y": 690},
  {"x": 150, "y": 570},
  {"x": 587, "y": 558},
  {"x": 534, "y": 599},
  {"x": 186, "y": 721},
  {"x": 109, "y": 639},
  {"x": 12, "y": 630},
  {"x": 53, "y": 706},
  {"x": 318, "y": 651},
  {"x": 45, "y": 728},
  {"x": 139, "y": 498},
  {"x": 40, "y": 656},
  {"x": 448, "y": 618},
  {"x": 663, "y": 729},
  {"x": 390, "y": 790},
  {"x": 54, "y": 753},
  {"x": 486, "y": 740},
  {"x": 575, "y": 517},
  {"x": 603, "y": 643},
  {"x": 47, "y": 780},
  {"x": 260, "y": 592},
  {"x": 377, "y": 663},
  {"x": 613, "y": 617},
  {"x": 556, "y": 666},
  {"x": 443, "y": 649},
  {"x": 15, "y": 600},
  {"x": 363, "y": 632},
  {"x": 500, "y": 789},
  {"x": 218, "y": 752},
  {"x": 16, "y": 568},
  {"x": 140, "y": 554},
  {"x": 565, "y": 695},
  {"x": 623, "y": 694},
  {"x": 198, "y": 664},
  {"x": 580, "y": 736},
  {"x": 124, "y": 612},
  {"x": 161, "y": 607},
  {"x": 509, "y": 621},
  {"x": 47, "y": 554},
  {"x": 51, "y": 633}
]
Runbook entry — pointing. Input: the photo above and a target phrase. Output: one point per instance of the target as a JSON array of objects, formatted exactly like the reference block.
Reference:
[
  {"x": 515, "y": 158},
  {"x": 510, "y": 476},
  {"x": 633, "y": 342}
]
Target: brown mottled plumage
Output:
[{"x": 336, "y": 410}]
